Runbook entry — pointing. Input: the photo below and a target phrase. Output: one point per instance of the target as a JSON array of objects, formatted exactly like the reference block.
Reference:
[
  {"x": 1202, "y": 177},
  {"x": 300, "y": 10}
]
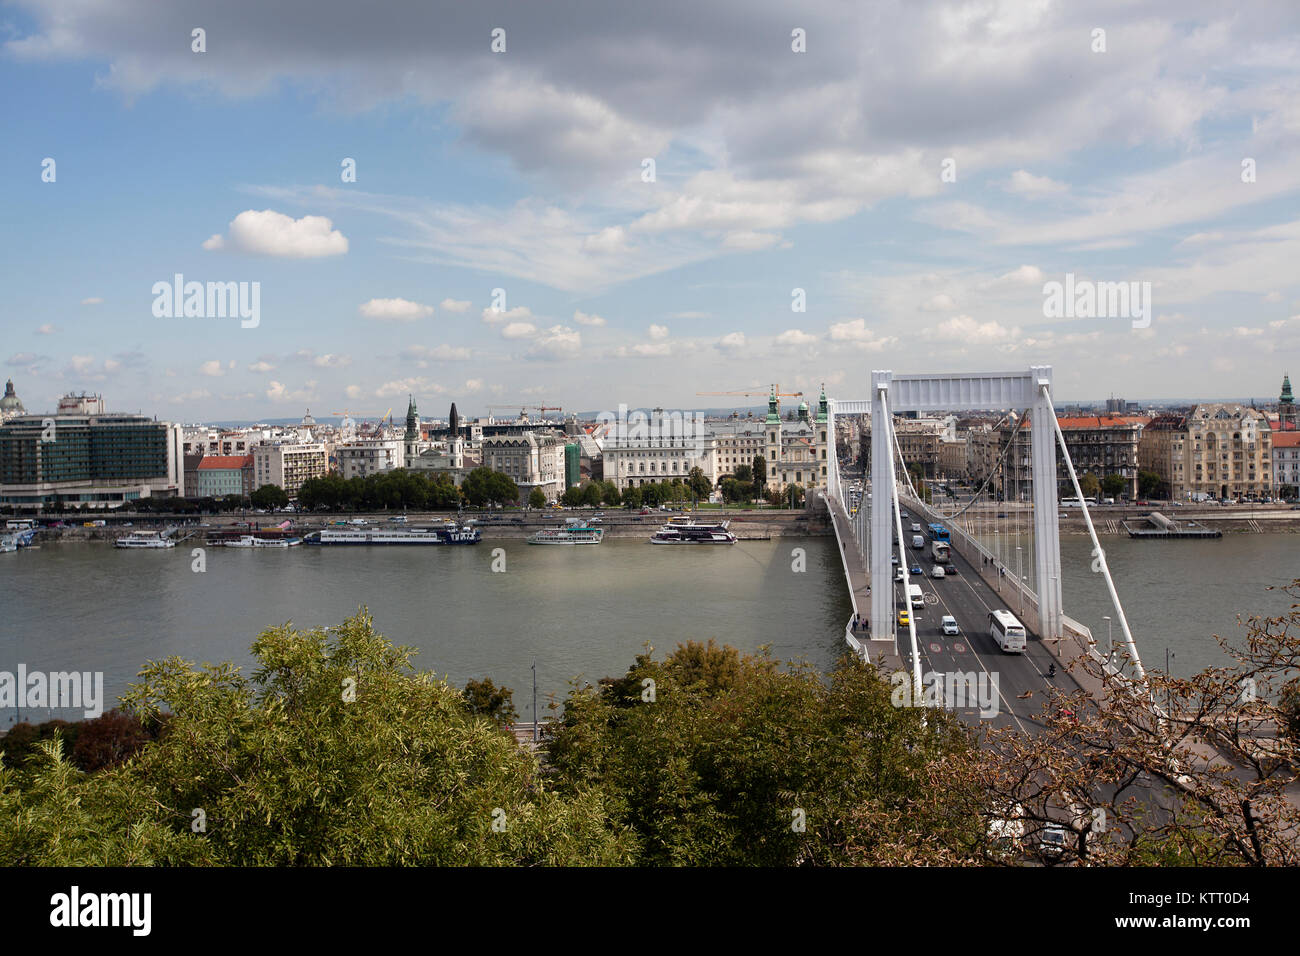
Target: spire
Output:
[
  {"x": 1286, "y": 398},
  {"x": 773, "y": 413},
  {"x": 453, "y": 422},
  {"x": 822, "y": 409},
  {"x": 412, "y": 422}
]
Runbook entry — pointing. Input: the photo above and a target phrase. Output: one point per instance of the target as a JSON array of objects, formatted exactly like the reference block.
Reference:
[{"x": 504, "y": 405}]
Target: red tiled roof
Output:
[
  {"x": 225, "y": 461},
  {"x": 1287, "y": 439}
]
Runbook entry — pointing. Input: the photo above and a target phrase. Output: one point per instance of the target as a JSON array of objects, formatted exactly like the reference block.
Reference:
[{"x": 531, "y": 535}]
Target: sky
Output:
[{"x": 584, "y": 204}]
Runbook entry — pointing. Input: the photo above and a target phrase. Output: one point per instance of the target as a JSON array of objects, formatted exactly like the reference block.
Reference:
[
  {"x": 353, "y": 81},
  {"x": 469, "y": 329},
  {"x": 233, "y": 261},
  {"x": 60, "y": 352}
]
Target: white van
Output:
[
  {"x": 914, "y": 595},
  {"x": 918, "y": 541}
]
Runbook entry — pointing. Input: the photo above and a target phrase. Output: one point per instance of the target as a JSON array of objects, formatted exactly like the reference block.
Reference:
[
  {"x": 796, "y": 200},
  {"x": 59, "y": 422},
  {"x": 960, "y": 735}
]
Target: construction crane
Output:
[
  {"x": 537, "y": 408},
  {"x": 774, "y": 390}
]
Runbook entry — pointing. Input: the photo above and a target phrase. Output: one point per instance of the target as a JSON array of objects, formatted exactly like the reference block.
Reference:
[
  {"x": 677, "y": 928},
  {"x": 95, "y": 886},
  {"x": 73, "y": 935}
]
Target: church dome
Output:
[{"x": 10, "y": 405}]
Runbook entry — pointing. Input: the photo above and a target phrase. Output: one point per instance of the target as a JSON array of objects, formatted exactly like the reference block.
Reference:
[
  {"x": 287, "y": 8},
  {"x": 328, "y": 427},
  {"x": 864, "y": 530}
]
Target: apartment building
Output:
[
  {"x": 1286, "y": 463},
  {"x": 363, "y": 457},
  {"x": 288, "y": 464},
  {"x": 1219, "y": 449},
  {"x": 533, "y": 459},
  {"x": 220, "y": 475}
]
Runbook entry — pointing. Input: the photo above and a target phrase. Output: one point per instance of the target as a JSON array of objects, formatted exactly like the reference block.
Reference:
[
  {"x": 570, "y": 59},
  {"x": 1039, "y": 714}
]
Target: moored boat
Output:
[
  {"x": 688, "y": 532},
  {"x": 145, "y": 539},
  {"x": 570, "y": 534},
  {"x": 452, "y": 534}
]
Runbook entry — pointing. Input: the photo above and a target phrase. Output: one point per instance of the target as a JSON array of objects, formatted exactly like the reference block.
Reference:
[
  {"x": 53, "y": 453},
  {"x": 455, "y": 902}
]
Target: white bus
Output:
[
  {"x": 939, "y": 551},
  {"x": 1007, "y": 631}
]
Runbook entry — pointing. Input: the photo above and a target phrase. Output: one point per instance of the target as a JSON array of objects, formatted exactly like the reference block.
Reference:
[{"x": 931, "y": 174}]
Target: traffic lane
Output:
[
  {"x": 946, "y": 654},
  {"x": 969, "y": 599}
]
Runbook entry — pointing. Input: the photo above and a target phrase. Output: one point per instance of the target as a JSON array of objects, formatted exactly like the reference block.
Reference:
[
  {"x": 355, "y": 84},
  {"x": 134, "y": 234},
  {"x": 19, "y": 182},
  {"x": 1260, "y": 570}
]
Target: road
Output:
[{"x": 967, "y": 598}]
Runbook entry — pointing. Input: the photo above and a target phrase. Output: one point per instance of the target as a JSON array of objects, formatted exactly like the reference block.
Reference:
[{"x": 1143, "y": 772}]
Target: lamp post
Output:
[
  {"x": 1110, "y": 634},
  {"x": 1168, "y": 657},
  {"x": 1020, "y": 579}
]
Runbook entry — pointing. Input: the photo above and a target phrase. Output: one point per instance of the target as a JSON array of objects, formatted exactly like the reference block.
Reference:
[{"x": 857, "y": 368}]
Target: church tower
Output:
[
  {"x": 412, "y": 437},
  {"x": 1286, "y": 406},
  {"x": 455, "y": 447}
]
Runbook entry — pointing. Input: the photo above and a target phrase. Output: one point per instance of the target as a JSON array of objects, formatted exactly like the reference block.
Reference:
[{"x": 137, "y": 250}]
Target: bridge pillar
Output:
[
  {"x": 1047, "y": 532},
  {"x": 882, "y": 515}
]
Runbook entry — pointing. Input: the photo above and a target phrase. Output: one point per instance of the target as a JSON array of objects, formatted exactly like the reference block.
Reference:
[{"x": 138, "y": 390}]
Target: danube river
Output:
[{"x": 580, "y": 612}]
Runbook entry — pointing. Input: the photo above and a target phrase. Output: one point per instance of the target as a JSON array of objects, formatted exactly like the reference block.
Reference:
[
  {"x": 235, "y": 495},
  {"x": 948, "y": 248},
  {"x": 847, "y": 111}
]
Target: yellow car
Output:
[{"x": 904, "y": 619}]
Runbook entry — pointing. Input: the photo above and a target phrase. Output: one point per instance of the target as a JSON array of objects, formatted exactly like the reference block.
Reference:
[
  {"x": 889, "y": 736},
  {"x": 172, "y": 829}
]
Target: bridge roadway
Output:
[{"x": 1022, "y": 681}]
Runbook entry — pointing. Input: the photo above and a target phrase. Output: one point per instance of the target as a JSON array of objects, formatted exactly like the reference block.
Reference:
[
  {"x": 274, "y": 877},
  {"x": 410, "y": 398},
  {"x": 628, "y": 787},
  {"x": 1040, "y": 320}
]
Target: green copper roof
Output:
[
  {"x": 1286, "y": 396},
  {"x": 773, "y": 415}
]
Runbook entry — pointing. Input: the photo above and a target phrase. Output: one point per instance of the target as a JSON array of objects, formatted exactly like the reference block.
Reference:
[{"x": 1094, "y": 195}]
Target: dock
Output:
[{"x": 1159, "y": 526}]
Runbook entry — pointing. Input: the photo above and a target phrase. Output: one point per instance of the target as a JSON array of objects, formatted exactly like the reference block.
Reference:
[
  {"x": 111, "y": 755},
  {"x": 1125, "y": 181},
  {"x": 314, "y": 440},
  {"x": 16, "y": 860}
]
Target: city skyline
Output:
[{"x": 498, "y": 240}]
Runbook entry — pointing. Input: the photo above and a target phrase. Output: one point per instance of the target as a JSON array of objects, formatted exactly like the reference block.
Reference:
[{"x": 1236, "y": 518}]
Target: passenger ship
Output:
[
  {"x": 686, "y": 531},
  {"x": 252, "y": 541},
  {"x": 145, "y": 539},
  {"x": 451, "y": 534},
  {"x": 570, "y": 534}
]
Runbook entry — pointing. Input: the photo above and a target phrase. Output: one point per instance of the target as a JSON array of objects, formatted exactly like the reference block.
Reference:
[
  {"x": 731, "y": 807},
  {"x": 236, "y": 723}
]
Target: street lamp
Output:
[
  {"x": 1021, "y": 580},
  {"x": 1110, "y": 634},
  {"x": 1168, "y": 657}
]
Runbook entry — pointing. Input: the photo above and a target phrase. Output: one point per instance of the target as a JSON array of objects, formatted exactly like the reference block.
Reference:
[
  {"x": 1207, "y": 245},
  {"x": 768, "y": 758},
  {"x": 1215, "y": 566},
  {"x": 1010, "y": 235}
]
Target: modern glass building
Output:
[{"x": 90, "y": 459}]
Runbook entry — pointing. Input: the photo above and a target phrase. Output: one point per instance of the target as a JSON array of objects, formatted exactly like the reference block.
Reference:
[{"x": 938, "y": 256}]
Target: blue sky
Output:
[{"x": 522, "y": 171}]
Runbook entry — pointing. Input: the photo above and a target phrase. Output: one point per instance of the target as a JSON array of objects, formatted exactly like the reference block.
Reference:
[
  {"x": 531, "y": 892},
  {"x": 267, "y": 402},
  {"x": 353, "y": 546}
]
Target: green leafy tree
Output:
[
  {"x": 537, "y": 498},
  {"x": 632, "y": 497},
  {"x": 485, "y": 699},
  {"x": 759, "y": 469},
  {"x": 1148, "y": 483},
  {"x": 1089, "y": 485},
  {"x": 592, "y": 494},
  {"x": 572, "y": 497},
  {"x": 1113, "y": 485},
  {"x": 699, "y": 484},
  {"x": 333, "y": 751},
  {"x": 611, "y": 494},
  {"x": 269, "y": 496}
]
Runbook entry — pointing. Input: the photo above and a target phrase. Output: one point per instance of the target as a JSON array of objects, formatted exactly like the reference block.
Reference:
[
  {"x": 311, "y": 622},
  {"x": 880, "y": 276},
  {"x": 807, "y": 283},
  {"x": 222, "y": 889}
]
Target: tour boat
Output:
[
  {"x": 451, "y": 534},
  {"x": 571, "y": 534},
  {"x": 145, "y": 539},
  {"x": 688, "y": 532}
]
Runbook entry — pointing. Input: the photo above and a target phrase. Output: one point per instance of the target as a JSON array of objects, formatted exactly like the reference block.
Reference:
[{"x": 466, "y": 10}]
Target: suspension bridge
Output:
[{"x": 1004, "y": 547}]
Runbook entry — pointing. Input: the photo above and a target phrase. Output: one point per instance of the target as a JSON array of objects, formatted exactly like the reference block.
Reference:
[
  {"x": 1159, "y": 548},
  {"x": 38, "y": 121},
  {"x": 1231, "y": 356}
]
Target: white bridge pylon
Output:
[{"x": 967, "y": 391}]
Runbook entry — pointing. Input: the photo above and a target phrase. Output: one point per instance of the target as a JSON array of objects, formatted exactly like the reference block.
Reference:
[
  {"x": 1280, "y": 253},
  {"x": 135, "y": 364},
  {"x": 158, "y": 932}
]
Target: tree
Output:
[
  {"x": 737, "y": 761},
  {"x": 611, "y": 495},
  {"x": 537, "y": 498},
  {"x": 698, "y": 483},
  {"x": 269, "y": 497},
  {"x": 1114, "y": 485},
  {"x": 1089, "y": 485},
  {"x": 592, "y": 494},
  {"x": 760, "y": 476},
  {"x": 572, "y": 497},
  {"x": 1148, "y": 483},
  {"x": 632, "y": 497},
  {"x": 333, "y": 751},
  {"x": 485, "y": 699},
  {"x": 744, "y": 474}
]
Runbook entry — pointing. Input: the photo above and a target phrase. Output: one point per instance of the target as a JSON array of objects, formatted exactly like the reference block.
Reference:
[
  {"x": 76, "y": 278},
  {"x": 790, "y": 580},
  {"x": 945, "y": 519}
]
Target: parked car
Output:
[{"x": 1052, "y": 843}]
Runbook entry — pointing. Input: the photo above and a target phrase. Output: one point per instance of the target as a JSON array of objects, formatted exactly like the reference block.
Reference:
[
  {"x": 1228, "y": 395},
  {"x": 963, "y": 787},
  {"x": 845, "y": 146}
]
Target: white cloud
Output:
[
  {"x": 438, "y": 353},
  {"x": 353, "y": 391},
  {"x": 862, "y": 338},
  {"x": 645, "y": 350},
  {"x": 454, "y": 305},
  {"x": 518, "y": 330},
  {"x": 691, "y": 315},
  {"x": 396, "y": 310},
  {"x": 964, "y": 330},
  {"x": 582, "y": 318},
  {"x": 329, "y": 360},
  {"x": 559, "y": 341},
  {"x": 519, "y": 313},
  {"x": 46, "y": 329},
  {"x": 412, "y": 386},
  {"x": 473, "y": 385},
  {"x": 1027, "y": 184},
  {"x": 732, "y": 342},
  {"x": 93, "y": 300},
  {"x": 794, "y": 338},
  {"x": 279, "y": 392},
  {"x": 261, "y": 365},
  {"x": 270, "y": 233},
  {"x": 658, "y": 331},
  {"x": 938, "y": 303},
  {"x": 212, "y": 369},
  {"x": 608, "y": 241}
]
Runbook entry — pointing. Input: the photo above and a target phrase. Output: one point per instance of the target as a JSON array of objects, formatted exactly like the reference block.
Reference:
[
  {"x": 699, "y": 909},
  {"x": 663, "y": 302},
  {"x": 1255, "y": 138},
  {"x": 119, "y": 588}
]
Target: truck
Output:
[{"x": 939, "y": 552}]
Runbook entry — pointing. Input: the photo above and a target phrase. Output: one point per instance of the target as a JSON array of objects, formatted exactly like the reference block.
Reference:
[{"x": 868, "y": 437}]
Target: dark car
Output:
[{"x": 915, "y": 569}]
